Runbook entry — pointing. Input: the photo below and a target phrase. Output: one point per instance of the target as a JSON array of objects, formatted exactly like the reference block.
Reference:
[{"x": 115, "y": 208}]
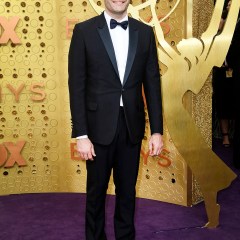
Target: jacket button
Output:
[{"x": 123, "y": 89}]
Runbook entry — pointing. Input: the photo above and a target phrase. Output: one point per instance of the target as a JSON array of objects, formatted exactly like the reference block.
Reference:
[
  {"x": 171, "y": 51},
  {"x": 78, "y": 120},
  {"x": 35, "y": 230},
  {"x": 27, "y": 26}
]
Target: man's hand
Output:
[
  {"x": 85, "y": 149},
  {"x": 155, "y": 144}
]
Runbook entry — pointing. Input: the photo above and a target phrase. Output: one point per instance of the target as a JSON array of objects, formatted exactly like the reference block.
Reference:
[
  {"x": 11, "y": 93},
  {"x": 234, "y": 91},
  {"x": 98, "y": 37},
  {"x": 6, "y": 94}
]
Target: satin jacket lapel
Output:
[
  {"x": 133, "y": 41},
  {"x": 107, "y": 41}
]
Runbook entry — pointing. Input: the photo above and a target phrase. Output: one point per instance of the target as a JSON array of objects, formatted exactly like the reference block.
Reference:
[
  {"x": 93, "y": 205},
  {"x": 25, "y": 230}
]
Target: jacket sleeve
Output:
[
  {"x": 77, "y": 82},
  {"x": 152, "y": 88}
]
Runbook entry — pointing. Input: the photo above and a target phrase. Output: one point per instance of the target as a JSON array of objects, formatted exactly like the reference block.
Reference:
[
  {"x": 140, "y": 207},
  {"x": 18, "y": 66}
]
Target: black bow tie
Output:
[{"x": 114, "y": 23}]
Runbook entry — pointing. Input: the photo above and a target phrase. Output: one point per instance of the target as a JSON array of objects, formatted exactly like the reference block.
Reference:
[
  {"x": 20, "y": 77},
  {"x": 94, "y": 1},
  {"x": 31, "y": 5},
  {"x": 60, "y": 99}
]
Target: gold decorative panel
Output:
[{"x": 35, "y": 106}]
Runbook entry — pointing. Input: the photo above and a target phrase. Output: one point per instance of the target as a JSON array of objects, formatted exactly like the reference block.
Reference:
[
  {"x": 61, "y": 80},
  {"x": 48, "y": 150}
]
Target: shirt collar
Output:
[{"x": 108, "y": 18}]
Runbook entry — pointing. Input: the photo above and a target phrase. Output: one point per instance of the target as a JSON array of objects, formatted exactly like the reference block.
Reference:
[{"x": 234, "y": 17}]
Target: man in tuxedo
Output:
[
  {"x": 111, "y": 56},
  {"x": 233, "y": 60}
]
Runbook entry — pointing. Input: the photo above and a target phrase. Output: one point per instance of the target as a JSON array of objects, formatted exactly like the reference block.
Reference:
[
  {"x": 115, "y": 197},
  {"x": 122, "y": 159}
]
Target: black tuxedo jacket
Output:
[{"x": 95, "y": 87}]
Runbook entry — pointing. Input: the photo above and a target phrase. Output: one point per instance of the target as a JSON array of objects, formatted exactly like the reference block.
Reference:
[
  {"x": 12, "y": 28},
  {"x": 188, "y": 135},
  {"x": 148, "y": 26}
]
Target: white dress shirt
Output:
[{"x": 120, "y": 40}]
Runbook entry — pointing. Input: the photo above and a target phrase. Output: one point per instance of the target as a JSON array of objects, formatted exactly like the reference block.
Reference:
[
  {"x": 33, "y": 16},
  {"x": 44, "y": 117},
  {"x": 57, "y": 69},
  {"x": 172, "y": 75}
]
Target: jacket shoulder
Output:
[
  {"x": 140, "y": 25},
  {"x": 87, "y": 23}
]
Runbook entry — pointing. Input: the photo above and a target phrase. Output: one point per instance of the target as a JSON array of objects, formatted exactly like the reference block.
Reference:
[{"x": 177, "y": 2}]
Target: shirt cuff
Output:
[{"x": 82, "y": 137}]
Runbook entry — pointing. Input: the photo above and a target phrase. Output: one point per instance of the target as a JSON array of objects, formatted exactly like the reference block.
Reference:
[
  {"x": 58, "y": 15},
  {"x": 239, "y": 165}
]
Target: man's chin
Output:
[
  {"x": 119, "y": 12},
  {"x": 120, "y": 5}
]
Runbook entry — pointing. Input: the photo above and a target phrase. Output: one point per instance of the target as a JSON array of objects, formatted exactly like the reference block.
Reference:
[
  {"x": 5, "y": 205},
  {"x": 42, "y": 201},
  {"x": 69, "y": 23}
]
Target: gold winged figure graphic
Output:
[{"x": 187, "y": 70}]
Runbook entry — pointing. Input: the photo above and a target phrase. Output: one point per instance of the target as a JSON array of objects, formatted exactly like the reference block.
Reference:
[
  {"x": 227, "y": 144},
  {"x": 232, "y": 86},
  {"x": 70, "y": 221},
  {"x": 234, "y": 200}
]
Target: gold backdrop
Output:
[{"x": 36, "y": 152}]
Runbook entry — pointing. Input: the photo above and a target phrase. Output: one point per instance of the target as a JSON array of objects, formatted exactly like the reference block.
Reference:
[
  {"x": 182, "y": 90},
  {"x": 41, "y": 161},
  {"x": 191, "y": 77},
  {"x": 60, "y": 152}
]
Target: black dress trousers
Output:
[{"x": 123, "y": 157}]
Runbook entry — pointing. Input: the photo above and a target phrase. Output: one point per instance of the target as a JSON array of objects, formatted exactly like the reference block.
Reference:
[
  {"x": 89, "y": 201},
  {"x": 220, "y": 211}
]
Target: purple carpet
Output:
[{"x": 61, "y": 216}]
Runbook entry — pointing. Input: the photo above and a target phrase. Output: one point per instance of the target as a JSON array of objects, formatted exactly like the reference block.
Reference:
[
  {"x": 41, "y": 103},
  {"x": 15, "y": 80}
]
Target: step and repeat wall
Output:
[{"x": 37, "y": 153}]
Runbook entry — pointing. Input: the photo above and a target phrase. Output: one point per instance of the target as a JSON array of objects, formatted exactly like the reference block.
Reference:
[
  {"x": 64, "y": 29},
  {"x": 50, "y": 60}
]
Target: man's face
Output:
[{"x": 116, "y": 7}]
